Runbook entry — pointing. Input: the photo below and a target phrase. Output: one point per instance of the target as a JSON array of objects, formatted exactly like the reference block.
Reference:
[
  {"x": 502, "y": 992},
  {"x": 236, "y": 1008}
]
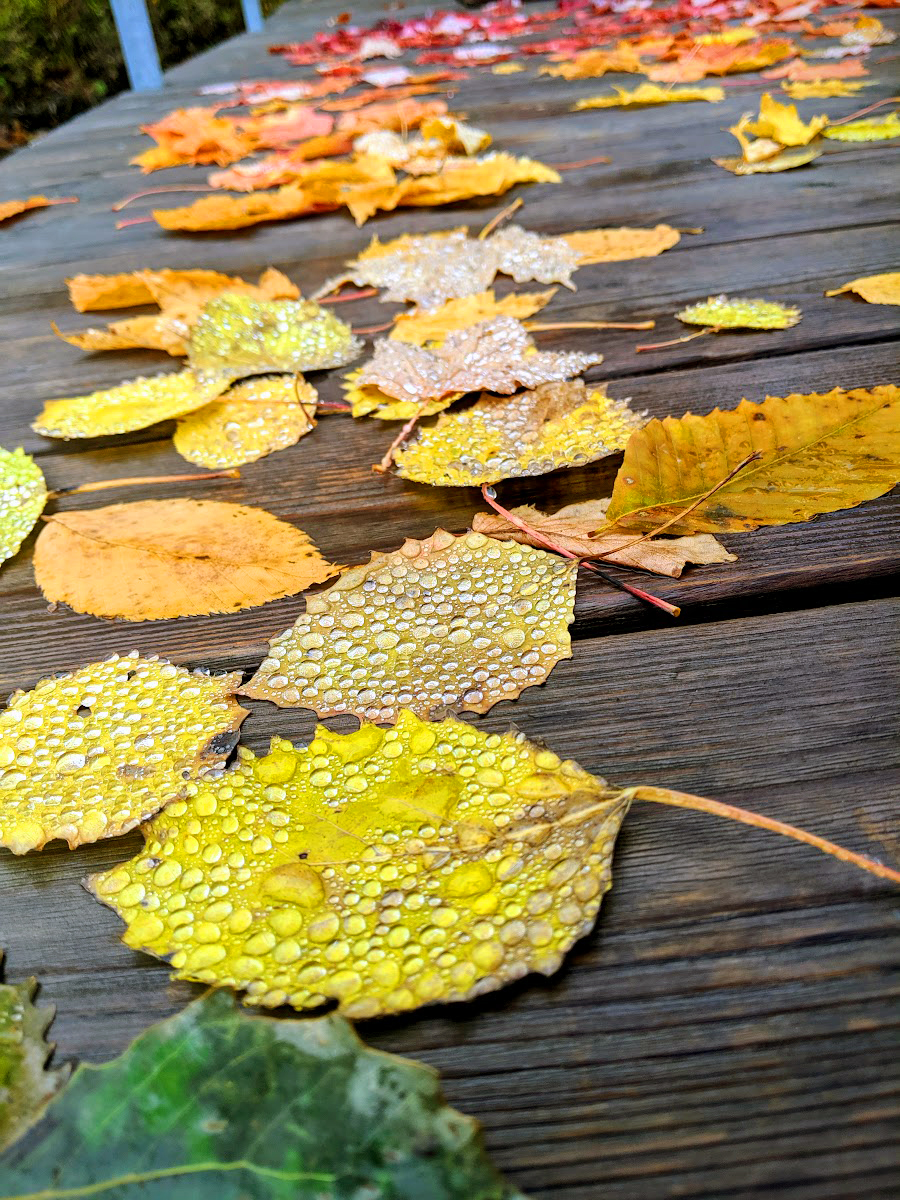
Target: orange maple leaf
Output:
[
  {"x": 195, "y": 135},
  {"x": 799, "y": 71}
]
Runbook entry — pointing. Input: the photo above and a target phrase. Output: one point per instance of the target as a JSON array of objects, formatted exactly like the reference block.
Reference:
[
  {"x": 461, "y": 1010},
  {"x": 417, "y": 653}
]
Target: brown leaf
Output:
[
  {"x": 571, "y": 527},
  {"x": 173, "y": 558}
]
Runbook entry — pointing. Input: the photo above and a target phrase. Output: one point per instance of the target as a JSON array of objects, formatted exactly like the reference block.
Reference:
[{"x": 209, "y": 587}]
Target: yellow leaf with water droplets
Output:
[
  {"x": 374, "y": 868},
  {"x": 875, "y": 289},
  {"x": 724, "y": 312},
  {"x": 870, "y": 129},
  {"x": 433, "y": 325},
  {"x": 366, "y": 400},
  {"x": 449, "y": 622},
  {"x": 23, "y": 494},
  {"x": 249, "y": 421},
  {"x": 650, "y": 93},
  {"x": 504, "y": 437},
  {"x": 91, "y": 754},
  {"x": 134, "y": 405}
]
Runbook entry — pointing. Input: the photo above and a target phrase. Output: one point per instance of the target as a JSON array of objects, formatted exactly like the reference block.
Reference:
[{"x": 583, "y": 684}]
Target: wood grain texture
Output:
[{"x": 730, "y": 1028}]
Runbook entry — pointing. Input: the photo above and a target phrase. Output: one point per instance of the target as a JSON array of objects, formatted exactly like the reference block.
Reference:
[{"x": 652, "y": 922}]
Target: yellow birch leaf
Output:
[
  {"x": 819, "y": 453},
  {"x": 91, "y": 754},
  {"x": 157, "y": 559},
  {"x": 433, "y": 325},
  {"x": 136, "y": 404},
  {"x": 786, "y": 160},
  {"x": 251, "y": 420},
  {"x": 504, "y": 437},
  {"x": 374, "y": 868},
  {"x": 870, "y": 129},
  {"x": 822, "y": 89},
  {"x": 650, "y": 93},
  {"x": 366, "y": 400},
  {"x": 413, "y": 635},
  {"x": 571, "y": 527},
  {"x": 618, "y": 245},
  {"x": 724, "y": 312},
  {"x": 781, "y": 123},
  {"x": 875, "y": 289},
  {"x": 23, "y": 494}
]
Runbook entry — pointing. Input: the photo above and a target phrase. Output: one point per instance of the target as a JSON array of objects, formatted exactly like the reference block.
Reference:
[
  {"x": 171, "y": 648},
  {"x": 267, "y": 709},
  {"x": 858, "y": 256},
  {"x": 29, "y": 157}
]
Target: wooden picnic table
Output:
[{"x": 729, "y": 1028}]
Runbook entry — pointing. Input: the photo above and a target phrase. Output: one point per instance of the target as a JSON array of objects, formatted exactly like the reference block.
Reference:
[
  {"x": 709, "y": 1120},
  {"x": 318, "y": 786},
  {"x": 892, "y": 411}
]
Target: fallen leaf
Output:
[
  {"x": 137, "y": 404},
  {"x": 507, "y": 68},
  {"x": 157, "y": 559},
  {"x": 433, "y": 325},
  {"x": 649, "y": 93},
  {"x": 280, "y": 168},
  {"x": 26, "y": 1082},
  {"x": 819, "y": 453},
  {"x": 158, "y": 332},
  {"x": 871, "y": 129},
  {"x": 422, "y": 639},
  {"x": 13, "y": 208},
  {"x": 875, "y": 289},
  {"x": 724, "y": 312},
  {"x": 697, "y": 61},
  {"x": 615, "y": 245},
  {"x": 128, "y": 290},
  {"x": 594, "y": 63},
  {"x": 279, "y": 131},
  {"x": 497, "y": 355},
  {"x": 403, "y": 114},
  {"x": 786, "y": 160},
  {"x": 422, "y": 825},
  {"x": 251, "y": 420},
  {"x": 23, "y": 494},
  {"x": 107, "y": 746},
  {"x": 571, "y": 528},
  {"x": 454, "y": 135},
  {"x": 328, "y": 1117},
  {"x": 195, "y": 136},
  {"x": 238, "y": 212},
  {"x": 240, "y": 335},
  {"x": 821, "y": 89},
  {"x": 504, "y": 437},
  {"x": 781, "y": 123},
  {"x": 803, "y": 72}
]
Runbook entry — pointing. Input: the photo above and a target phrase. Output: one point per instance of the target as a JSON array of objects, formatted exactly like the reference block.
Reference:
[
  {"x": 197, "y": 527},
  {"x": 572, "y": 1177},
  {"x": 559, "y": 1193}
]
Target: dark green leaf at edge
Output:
[{"x": 215, "y": 1104}]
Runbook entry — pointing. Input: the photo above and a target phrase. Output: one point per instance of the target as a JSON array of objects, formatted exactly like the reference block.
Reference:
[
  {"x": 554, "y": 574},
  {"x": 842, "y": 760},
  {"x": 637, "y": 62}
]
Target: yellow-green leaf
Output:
[
  {"x": 870, "y": 129},
  {"x": 725, "y": 312},
  {"x": 650, "y": 93},
  {"x": 23, "y": 494},
  {"x": 26, "y": 1082}
]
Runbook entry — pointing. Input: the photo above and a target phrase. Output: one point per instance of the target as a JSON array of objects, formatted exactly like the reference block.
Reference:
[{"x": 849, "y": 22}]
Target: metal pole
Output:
[
  {"x": 253, "y": 17},
  {"x": 138, "y": 46}
]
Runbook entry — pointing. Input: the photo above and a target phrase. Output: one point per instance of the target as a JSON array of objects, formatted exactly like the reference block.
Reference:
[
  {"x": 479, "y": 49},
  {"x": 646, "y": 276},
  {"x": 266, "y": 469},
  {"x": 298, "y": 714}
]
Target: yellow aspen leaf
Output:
[
  {"x": 366, "y": 400},
  {"x": 13, "y": 208},
  {"x": 157, "y": 559},
  {"x": 459, "y": 622},
  {"x": 781, "y": 123},
  {"x": 724, "y": 312},
  {"x": 822, "y": 89},
  {"x": 94, "y": 753},
  {"x": 649, "y": 93},
  {"x": 818, "y": 453},
  {"x": 618, "y": 245},
  {"x": 497, "y": 355},
  {"x": 433, "y": 325},
  {"x": 875, "y": 289},
  {"x": 454, "y": 135},
  {"x": 784, "y": 160},
  {"x": 23, "y": 494},
  {"x": 240, "y": 335},
  {"x": 136, "y": 404},
  {"x": 251, "y": 420},
  {"x": 572, "y": 527},
  {"x": 870, "y": 129},
  {"x": 504, "y": 437},
  {"x": 375, "y": 867},
  {"x": 594, "y": 63}
]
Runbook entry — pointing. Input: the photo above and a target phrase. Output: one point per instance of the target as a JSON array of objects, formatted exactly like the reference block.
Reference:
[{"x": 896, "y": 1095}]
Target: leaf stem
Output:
[
  {"x": 501, "y": 216},
  {"x": 584, "y": 162},
  {"x": 862, "y": 111},
  {"x": 491, "y": 497},
  {"x": 688, "y": 337},
  {"x": 101, "y": 485},
  {"x": 387, "y": 461},
  {"x": 133, "y": 221},
  {"x": 373, "y": 329},
  {"x": 745, "y": 817},
  {"x": 361, "y": 294},
  {"x": 542, "y": 326},
  {"x": 159, "y": 191},
  {"x": 310, "y": 417}
]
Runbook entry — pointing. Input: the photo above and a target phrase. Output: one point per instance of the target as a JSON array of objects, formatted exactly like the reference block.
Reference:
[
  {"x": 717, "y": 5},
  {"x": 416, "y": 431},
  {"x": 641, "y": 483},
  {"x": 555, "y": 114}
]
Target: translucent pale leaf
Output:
[
  {"x": 784, "y": 161},
  {"x": 214, "y": 1104},
  {"x": 650, "y": 93},
  {"x": 252, "y": 419},
  {"x": 26, "y": 1083},
  {"x": 366, "y": 400},
  {"x": 555, "y": 425},
  {"x": 134, "y": 405},
  {"x": 23, "y": 494},
  {"x": 870, "y": 129},
  {"x": 433, "y": 325},
  {"x": 240, "y": 335},
  {"x": 875, "y": 289},
  {"x": 726, "y": 312},
  {"x": 376, "y": 868},
  {"x": 91, "y": 754},
  {"x": 458, "y": 622},
  {"x": 157, "y": 559},
  {"x": 819, "y": 453}
]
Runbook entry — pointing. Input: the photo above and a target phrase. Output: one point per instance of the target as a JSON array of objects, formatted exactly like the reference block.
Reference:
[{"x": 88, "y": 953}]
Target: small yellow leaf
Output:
[
  {"x": 455, "y": 136},
  {"x": 531, "y": 433},
  {"x": 366, "y": 400},
  {"x": 650, "y": 93},
  {"x": 870, "y": 129},
  {"x": 724, "y": 312},
  {"x": 23, "y": 494},
  {"x": 876, "y": 289},
  {"x": 413, "y": 635},
  {"x": 134, "y": 405},
  {"x": 619, "y": 245},
  {"x": 142, "y": 333},
  {"x": 781, "y": 123},
  {"x": 433, "y": 325},
  {"x": 822, "y": 89},
  {"x": 157, "y": 559},
  {"x": 377, "y": 868},
  {"x": 786, "y": 160},
  {"x": 251, "y": 420},
  {"x": 507, "y": 68},
  {"x": 92, "y": 754}
]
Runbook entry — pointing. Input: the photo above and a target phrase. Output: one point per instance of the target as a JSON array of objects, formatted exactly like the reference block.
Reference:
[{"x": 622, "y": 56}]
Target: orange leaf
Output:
[
  {"x": 798, "y": 70},
  {"x": 195, "y": 135},
  {"x": 281, "y": 130},
  {"x": 12, "y": 208}
]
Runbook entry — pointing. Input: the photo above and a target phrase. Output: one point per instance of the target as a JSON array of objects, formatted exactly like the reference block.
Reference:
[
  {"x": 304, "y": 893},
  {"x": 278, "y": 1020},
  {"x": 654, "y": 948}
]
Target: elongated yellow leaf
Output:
[
  {"x": 874, "y": 289},
  {"x": 819, "y": 453}
]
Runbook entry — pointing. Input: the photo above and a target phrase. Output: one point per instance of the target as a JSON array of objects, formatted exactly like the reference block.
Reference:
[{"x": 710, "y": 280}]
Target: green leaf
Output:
[
  {"x": 25, "y": 1083},
  {"x": 872, "y": 129},
  {"x": 23, "y": 494},
  {"x": 722, "y": 312},
  {"x": 217, "y": 1105}
]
